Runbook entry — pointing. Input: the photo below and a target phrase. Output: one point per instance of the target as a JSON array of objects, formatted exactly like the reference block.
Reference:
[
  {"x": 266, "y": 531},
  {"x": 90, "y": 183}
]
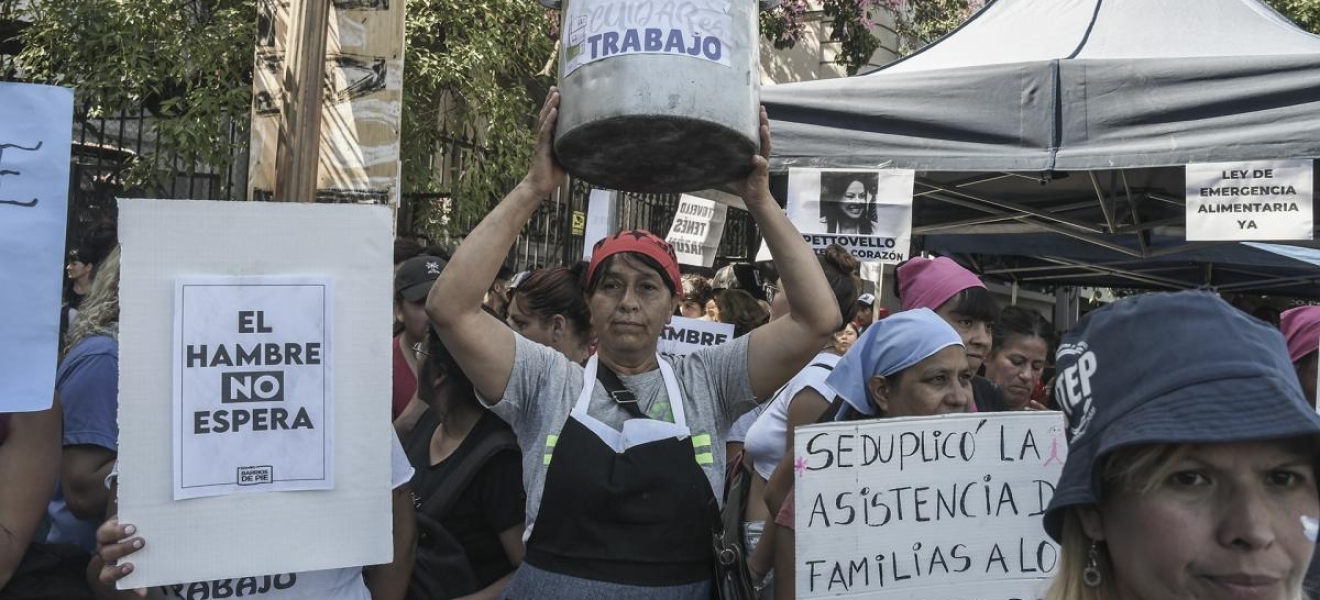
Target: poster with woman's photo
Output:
[{"x": 867, "y": 212}]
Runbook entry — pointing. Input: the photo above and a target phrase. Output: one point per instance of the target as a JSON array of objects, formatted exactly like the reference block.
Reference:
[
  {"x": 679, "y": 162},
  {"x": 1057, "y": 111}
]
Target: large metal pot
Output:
[{"x": 658, "y": 95}]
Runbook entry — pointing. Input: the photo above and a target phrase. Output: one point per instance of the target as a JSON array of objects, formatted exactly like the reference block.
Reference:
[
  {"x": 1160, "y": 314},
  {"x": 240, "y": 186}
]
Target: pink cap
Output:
[
  {"x": 1301, "y": 327},
  {"x": 930, "y": 282}
]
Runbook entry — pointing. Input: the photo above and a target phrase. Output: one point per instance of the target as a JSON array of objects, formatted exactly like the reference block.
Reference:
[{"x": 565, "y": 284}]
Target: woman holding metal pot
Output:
[{"x": 623, "y": 458}]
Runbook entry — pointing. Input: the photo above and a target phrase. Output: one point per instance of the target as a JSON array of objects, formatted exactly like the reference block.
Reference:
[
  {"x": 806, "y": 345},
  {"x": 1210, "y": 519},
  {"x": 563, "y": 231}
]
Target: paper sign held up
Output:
[
  {"x": 683, "y": 336},
  {"x": 35, "y": 133},
  {"x": 945, "y": 508},
  {"x": 254, "y": 403},
  {"x": 167, "y": 244},
  {"x": 868, "y": 213},
  {"x": 1254, "y": 200},
  {"x": 697, "y": 229}
]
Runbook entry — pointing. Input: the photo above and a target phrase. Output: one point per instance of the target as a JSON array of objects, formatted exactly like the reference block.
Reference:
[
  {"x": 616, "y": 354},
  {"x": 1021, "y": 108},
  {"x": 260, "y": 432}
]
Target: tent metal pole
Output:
[
  {"x": 1012, "y": 206},
  {"x": 1104, "y": 206},
  {"x": 1047, "y": 225},
  {"x": 1119, "y": 272},
  {"x": 1269, "y": 283},
  {"x": 997, "y": 217}
]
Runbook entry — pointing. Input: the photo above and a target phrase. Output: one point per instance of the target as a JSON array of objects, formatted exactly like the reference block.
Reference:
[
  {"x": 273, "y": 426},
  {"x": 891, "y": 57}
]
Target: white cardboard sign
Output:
[
  {"x": 602, "y": 207},
  {"x": 867, "y": 212},
  {"x": 254, "y": 408},
  {"x": 35, "y": 130},
  {"x": 683, "y": 336},
  {"x": 945, "y": 508},
  {"x": 252, "y": 535},
  {"x": 1246, "y": 201},
  {"x": 696, "y": 231}
]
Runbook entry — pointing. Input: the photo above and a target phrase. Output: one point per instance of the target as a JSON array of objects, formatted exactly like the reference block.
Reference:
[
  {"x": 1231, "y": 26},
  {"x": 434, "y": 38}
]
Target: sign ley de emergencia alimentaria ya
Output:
[
  {"x": 253, "y": 402},
  {"x": 1255, "y": 200}
]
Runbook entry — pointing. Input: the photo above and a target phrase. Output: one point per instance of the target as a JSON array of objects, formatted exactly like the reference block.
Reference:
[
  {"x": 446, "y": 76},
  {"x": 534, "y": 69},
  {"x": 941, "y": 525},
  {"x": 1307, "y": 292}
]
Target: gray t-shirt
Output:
[{"x": 544, "y": 386}]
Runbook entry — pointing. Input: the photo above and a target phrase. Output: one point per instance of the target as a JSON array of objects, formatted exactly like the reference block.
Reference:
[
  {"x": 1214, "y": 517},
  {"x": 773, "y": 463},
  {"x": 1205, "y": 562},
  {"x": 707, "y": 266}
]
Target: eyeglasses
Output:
[{"x": 418, "y": 348}]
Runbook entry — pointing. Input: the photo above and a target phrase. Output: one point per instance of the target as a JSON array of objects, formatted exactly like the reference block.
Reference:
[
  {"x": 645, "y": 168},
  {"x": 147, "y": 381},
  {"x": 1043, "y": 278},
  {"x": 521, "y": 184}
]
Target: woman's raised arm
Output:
[{"x": 482, "y": 345}]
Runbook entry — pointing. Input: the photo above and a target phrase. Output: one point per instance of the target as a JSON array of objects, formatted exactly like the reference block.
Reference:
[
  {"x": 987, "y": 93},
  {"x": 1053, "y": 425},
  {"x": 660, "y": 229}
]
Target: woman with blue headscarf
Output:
[{"x": 908, "y": 365}]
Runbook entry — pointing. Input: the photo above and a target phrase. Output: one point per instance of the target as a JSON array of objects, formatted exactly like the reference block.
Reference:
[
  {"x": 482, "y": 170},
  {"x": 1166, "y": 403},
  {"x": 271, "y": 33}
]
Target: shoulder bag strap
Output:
[{"x": 620, "y": 393}]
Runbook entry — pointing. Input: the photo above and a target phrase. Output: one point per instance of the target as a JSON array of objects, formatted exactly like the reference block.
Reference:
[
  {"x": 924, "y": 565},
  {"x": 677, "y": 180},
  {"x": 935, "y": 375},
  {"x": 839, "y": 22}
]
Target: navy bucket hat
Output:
[{"x": 1169, "y": 368}]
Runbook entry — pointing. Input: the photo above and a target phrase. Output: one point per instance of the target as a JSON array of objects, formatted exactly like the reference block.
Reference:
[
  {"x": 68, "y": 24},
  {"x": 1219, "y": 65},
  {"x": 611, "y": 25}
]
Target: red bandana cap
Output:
[
  {"x": 641, "y": 242},
  {"x": 1301, "y": 327},
  {"x": 929, "y": 283}
]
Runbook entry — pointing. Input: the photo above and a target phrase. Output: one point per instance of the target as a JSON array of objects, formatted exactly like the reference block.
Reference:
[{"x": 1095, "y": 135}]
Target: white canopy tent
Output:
[{"x": 1073, "y": 119}]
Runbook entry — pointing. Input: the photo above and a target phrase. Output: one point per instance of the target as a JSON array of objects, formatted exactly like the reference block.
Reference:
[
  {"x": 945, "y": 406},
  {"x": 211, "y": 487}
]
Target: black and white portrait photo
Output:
[{"x": 848, "y": 202}]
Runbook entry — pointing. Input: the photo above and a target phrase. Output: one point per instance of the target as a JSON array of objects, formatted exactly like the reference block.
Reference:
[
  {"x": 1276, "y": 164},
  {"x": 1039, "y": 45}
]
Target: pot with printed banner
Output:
[{"x": 659, "y": 96}]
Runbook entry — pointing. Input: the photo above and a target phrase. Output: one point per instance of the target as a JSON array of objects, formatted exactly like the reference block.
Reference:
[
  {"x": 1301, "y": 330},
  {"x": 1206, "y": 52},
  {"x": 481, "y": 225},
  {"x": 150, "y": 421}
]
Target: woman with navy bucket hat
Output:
[{"x": 1189, "y": 476}]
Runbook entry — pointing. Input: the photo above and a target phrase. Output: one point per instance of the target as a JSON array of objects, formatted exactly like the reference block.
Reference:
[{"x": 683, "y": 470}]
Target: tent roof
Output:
[
  {"x": 1006, "y": 32},
  {"x": 1040, "y": 85}
]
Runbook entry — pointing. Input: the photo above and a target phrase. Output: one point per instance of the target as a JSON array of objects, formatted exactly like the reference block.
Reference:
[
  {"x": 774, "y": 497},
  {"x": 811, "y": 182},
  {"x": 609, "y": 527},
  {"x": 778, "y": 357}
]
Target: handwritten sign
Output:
[
  {"x": 697, "y": 229},
  {"x": 36, "y": 124},
  {"x": 944, "y": 508},
  {"x": 1258, "y": 200},
  {"x": 869, "y": 213},
  {"x": 683, "y": 336},
  {"x": 600, "y": 29},
  {"x": 254, "y": 407}
]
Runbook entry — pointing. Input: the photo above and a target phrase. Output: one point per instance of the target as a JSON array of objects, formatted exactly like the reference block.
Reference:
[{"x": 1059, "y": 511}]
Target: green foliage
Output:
[
  {"x": 920, "y": 22},
  {"x": 188, "y": 61},
  {"x": 472, "y": 72},
  {"x": 1305, "y": 13}
]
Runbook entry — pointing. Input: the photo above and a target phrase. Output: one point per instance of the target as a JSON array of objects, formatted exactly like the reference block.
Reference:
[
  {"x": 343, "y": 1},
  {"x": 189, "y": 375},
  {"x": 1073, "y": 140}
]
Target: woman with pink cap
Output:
[
  {"x": 1301, "y": 327},
  {"x": 623, "y": 458},
  {"x": 958, "y": 296}
]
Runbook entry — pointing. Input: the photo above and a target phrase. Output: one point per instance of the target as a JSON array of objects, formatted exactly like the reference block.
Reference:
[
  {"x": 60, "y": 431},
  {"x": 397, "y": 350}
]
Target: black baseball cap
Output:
[
  {"x": 414, "y": 277},
  {"x": 1169, "y": 368}
]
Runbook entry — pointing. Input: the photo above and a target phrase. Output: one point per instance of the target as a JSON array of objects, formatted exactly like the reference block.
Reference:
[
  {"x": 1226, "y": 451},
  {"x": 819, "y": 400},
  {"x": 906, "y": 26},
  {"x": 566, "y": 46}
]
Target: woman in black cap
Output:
[{"x": 1187, "y": 477}]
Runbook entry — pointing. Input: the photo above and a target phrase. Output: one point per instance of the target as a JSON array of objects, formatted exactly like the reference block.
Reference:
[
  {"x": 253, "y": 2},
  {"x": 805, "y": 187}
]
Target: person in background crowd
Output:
[
  {"x": 87, "y": 384},
  {"x": 911, "y": 364},
  {"x": 79, "y": 273},
  {"x": 470, "y": 457},
  {"x": 406, "y": 248},
  {"x": 740, "y": 309},
  {"x": 1190, "y": 476},
  {"x": 696, "y": 293},
  {"x": 80, "y": 270},
  {"x": 117, "y": 541},
  {"x": 1301, "y": 328},
  {"x": 616, "y": 516},
  {"x": 548, "y": 307},
  {"x": 412, "y": 281},
  {"x": 768, "y": 429},
  {"x": 740, "y": 276},
  {"x": 1022, "y": 344},
  {"x": 845, "y": 338},
  {"x": 497, "y": 296},
  {"x": 29, "y": 466},
  {"x": 865, "y": 313},
  {"x": 958, "y": 296}
]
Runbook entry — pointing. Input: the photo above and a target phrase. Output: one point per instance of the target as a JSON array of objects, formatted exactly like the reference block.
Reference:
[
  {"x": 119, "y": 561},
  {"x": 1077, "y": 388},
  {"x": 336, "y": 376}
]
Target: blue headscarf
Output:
[{"x": 887, "y": 347}]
